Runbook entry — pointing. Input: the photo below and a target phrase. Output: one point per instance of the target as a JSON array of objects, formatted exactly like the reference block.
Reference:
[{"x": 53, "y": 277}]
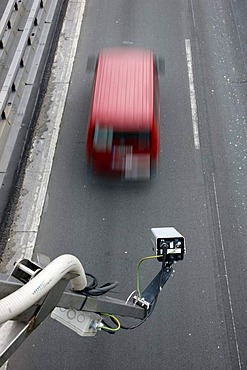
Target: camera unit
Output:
[{"x": 170, "y": 239}]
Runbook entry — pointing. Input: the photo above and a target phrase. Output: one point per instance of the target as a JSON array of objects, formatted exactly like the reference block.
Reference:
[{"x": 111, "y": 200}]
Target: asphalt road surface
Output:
[{"x": 200, "y": 319}]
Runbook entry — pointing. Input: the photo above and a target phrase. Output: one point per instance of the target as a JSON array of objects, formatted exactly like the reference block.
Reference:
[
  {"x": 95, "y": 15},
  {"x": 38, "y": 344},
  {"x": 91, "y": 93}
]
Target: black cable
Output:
[
  {"x": 150, "y": 311},
  {"x": 134, "y": 326},
  {"x": 101, "y": 290},
  {"x": 148, "y": 314},
  {"x": 93, "y": 284},
  {"x": 83, "y": 304},
  {"x": 92, "y": 290}
]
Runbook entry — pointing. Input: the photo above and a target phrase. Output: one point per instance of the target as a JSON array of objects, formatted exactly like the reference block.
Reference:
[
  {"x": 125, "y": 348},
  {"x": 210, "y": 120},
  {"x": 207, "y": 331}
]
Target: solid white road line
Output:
[{"x": 226, "y": 273}]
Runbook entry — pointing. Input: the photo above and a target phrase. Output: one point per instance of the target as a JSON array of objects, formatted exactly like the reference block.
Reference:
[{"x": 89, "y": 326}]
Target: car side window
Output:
[{"x": 102, "y": 139}]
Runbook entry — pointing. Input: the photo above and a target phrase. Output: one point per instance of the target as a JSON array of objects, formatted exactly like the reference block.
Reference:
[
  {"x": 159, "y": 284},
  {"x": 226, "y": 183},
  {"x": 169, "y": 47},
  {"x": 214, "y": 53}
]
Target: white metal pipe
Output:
[{"x": 30, "y": 293}]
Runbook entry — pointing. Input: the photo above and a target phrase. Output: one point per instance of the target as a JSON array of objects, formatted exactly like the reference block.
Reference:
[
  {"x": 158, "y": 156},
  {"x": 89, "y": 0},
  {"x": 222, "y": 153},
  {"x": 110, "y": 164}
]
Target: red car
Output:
[{"x": 124, "y": 119}]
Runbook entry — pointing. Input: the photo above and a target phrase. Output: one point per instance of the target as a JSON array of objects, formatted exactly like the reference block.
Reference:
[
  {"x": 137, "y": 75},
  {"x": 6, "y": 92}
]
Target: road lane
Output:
[
  {"x": 107, "y": 225},
  {"x": 223, "y": 68}
]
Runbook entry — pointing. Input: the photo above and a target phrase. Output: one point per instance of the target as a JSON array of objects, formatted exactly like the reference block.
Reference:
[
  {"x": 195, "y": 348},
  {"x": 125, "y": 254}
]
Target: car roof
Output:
[{"x": 123, "y": 94}]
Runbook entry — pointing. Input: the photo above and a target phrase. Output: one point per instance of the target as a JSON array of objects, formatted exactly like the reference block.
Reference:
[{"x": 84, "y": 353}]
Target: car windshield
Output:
[{"x": 105, "y": 138}]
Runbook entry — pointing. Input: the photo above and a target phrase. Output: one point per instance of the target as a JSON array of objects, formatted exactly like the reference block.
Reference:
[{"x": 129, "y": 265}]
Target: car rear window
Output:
[{"x": 104, "y": 138}]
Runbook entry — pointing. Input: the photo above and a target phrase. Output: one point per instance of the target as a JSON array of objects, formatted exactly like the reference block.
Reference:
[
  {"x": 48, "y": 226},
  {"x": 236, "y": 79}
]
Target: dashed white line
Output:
[{"x": 192, "y": 94}]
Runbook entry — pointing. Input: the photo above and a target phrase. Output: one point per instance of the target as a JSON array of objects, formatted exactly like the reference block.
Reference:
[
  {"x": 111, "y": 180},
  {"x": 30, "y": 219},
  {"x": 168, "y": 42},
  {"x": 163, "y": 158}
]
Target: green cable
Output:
[
  {"x": 116, "y": 321},
  {"x": 138, "y": 274},
  {"x": 138, "y": 294}
]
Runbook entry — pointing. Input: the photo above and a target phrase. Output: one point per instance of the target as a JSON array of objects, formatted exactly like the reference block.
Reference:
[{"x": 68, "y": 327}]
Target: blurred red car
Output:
[{"x": 124, "y": 119}]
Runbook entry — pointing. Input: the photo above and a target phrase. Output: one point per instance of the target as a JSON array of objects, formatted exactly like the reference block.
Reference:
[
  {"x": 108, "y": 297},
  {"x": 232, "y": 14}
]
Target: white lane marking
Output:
[
  {"x": 193, "y": 103},
  {"x": 226, "y": 273}
]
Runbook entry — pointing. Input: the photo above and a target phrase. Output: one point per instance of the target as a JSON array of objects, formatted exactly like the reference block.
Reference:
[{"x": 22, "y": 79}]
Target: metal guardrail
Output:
[
  {"x": 26, "y": 32},
  {"x": 26, "y": 47},
  {"x": 6, "y": 21},
  {"x": 11, "y": 25}
]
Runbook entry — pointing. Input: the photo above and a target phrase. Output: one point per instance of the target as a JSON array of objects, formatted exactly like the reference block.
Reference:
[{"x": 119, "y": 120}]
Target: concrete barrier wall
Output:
[{"x": 26, "y": 33}]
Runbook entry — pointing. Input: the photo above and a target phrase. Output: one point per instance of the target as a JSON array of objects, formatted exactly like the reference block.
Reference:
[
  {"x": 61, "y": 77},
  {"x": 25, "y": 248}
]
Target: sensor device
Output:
[{"x": 170, "y": 239}]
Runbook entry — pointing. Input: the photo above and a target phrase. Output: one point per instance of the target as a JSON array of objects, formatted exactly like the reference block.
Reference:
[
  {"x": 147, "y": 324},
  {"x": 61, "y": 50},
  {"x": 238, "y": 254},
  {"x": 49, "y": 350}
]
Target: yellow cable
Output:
[
  {"x": 138, "y": 274},
  {"x": 138, "y": 294},
  {"x": 115, "y": 319}
]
